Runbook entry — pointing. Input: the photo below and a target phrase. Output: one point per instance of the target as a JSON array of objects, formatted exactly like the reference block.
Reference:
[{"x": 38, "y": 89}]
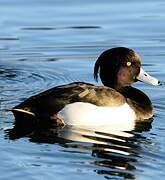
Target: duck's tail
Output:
[
  {"x": 24, "y": 124},
  {"x": 23, "y": 117},
  {"x": 22, "y": 111}
]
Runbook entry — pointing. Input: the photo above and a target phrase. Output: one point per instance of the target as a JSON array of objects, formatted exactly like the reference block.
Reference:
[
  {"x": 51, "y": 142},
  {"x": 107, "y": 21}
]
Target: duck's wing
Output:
[{"x": 52, "y": 99}]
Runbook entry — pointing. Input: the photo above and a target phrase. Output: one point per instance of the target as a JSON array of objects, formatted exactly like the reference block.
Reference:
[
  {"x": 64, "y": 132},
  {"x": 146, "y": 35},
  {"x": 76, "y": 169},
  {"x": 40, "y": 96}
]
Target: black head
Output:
[{"x": 118, "y": 67}]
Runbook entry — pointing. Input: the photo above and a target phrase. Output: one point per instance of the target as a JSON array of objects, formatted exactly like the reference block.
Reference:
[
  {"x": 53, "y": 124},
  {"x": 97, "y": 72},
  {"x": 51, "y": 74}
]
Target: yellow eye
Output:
[{"x": 128, "y": 63}]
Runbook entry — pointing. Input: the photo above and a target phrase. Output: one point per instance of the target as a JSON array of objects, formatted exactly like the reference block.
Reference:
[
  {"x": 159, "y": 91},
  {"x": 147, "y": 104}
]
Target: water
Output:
[{"x": 47, "y": 43}]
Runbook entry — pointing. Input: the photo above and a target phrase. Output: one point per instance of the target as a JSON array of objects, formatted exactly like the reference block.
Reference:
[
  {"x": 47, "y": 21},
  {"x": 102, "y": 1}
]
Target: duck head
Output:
[{"x": 120, "y": 67}]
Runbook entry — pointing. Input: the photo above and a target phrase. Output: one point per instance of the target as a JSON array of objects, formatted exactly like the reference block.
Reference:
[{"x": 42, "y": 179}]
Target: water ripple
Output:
[{"x": 59, "y": 28}]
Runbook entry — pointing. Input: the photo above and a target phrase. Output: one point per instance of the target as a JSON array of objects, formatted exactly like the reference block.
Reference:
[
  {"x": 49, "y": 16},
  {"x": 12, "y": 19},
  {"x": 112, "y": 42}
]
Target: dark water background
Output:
[{"x": 52, "y": 42}]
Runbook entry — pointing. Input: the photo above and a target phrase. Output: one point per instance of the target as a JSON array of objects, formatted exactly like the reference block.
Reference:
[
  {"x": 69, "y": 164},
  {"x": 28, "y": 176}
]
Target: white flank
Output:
[{"x": 89, "y": 116}]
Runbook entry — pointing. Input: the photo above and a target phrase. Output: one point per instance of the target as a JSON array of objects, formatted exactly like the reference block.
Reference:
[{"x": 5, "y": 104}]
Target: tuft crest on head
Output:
[{"x": 96, "y": 69}]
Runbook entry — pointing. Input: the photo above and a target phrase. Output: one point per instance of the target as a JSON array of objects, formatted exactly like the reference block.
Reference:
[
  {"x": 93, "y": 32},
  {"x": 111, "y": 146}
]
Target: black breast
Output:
[{"x": 139, "y": 102}]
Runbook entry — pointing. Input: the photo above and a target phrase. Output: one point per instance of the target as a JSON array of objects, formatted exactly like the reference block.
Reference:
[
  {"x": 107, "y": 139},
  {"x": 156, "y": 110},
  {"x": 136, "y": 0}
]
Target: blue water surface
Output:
[{"x": 44, "y": 43}]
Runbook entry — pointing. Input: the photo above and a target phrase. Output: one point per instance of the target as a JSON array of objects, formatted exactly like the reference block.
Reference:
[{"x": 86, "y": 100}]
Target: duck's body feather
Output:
[
  {"x": 59, "y": 104},
  {"x": 50, "y": 102}
]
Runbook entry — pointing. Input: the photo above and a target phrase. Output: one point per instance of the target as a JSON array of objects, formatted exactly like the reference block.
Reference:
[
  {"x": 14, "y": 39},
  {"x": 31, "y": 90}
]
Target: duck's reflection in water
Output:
[{"x": 115, "y": 152}]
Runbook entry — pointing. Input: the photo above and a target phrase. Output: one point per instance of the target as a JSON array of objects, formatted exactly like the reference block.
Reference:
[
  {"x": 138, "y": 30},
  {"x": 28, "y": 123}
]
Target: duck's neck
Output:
[{"x": 135, "y": 95}]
